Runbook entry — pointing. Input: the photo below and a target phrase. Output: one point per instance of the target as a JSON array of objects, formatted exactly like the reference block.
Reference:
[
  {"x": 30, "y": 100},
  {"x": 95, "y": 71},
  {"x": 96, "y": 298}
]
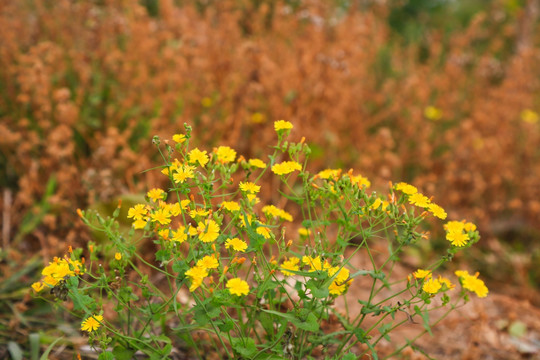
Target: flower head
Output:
[
  {"x": 236, "y": 244},
  {"x": 225, "y": 154},
  {"x": 282, "y": 125},
  {"x": 208, "y": 230},
  {"x": 432, "y": 286},
  {"x": 238, "y": 287},
  {"x": 92, "y": 323},
  {"x": 249, "y": 187},
  {"x": 406, "y": 188},
  {"x": 286, "y": 167},
  {"x": 291, "y": 264},
  {"x": 198, "y": 156},
  {"x": 258, "y": 163},
  {"x": 156, "y": 194}
]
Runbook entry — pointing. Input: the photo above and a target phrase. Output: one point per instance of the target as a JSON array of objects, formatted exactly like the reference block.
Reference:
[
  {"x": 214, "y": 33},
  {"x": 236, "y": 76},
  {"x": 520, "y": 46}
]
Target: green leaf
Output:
[
  {"x": 106, "y": 355},
  {"x": 317, "y": 290},
  {"x": 425, "y": 317},
  {"x": 385, "y": 329},
  {"x": 244, "y": 346},
  {"x": 306, "y": 320},
  {"x": 121, "y": 353},
  {"x": 226, "y": 326},
  {"x": 349, "y": 356},
  {"x": 34, "y": 346},
  {"x": 15, "y": 351},
  {"x": 45, "y": 355}
]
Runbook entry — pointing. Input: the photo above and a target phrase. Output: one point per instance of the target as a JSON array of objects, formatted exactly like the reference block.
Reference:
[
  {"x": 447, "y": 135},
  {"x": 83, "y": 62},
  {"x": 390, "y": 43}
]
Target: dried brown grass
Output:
[{"x": 85, "y": 86}]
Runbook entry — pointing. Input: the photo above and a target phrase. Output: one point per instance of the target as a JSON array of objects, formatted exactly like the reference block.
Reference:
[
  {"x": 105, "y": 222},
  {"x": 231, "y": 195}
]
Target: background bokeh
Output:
[{"x": 442, "y": 94}]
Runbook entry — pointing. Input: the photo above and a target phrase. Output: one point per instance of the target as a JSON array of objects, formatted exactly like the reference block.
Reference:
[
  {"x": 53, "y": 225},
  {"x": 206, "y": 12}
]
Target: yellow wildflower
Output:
[
  {"x": 139, "y": 224},
  {"x": 208, "y": 262},
  {"x": 162, "y": 216},
  {"x": 286, "y": 167},
  {"x": 433, "y": 113},
  {"x": 258, "y": 163},
  {"x": 156, "y": 194},
  {"x": 419, "y": 200},
  {"x": 406, "y": 188},
  {"x": 238, "y": 287},
  {"x": 529, "y": 116},
  {"x": 225, "y": 154},
  {"x": 198, "y": 156},
  {"x": 236, "y": 244},
  {"x": 92, "y": 323},
  {"x": 432, "y": 286},
  {"x": 179, "y": 138},
  {"x": 118, "y": 256},
  {"x": 291, "y": 264},
  {"x": 437, "y": 211},
  {"x": 249, "y": 187},
  {"x": 208, "y": 230},
  {"x": 422, "y": 274},
  {"x": 137, "y": 212},
  {"x": 230, "y": 206},
  {"x": 265, "y": 232},
  {"x": 282, "y": 125}
]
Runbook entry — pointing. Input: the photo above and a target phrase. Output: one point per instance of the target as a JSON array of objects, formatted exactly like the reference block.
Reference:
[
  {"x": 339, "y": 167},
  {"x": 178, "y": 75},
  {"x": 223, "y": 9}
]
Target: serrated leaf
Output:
[
  {"x": 317, "y": 290},
  {"x": 244, "y": 346}
]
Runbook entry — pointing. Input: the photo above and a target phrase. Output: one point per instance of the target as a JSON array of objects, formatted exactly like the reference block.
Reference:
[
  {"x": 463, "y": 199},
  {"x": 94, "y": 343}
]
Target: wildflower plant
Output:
[{"x": 260, "y": 286}]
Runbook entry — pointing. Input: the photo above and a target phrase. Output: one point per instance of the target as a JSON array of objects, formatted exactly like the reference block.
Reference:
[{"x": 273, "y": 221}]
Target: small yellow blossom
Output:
[
  {"x": 406, "y": 188},
  {"x": 249, "y": 187},
  {"x": 265, "y": 232},
  {"x": 208, "y": 230},
  {"x": 304, "y": 232},
  {"x": 198, "y": 212},
  {"x": 272, "y": 211},
  {"x": 164, "y": 233},
  {"x": 161, "y": 216},
  {"x": 419, "y": 200},
  {"x": 433, "y": 113},
  {"x": 179, "y": 235},
  {"x": 198, "y": 156},
  {"x": 208, "y": 262},
  {"x": 329, "y": 174},
  {"x": 472, "y": 283},
  {"x": 225, "y": 154},
  {"x": 179, "y": 138},
  {"x": 236, "y": 244},
  {"x": 437, "y": 211},
  {"x": 156, "y": 194},
  {"x": 207, "y": 102},
  {"x": 282, "y": 125},
  {"x": 238, "y": 287},
  {"x": 118, "y": 256},
  {"x": 137, "y": 212},
  {"x": 358, "y": 180},
  {"x": 286, "y": 167},
  {"x": 315, "y": 263},
  {"x": 431, "y": 286},
  {"x": 231, "y": 206},
  {"x": 92, "y": 323},
  {"x": 38, "y": 286},
  {"x": 258, "y": 163},
  {"x": 183, "y": 173},
  {"x": 422, "y": 274},
  {"x": 529, "y": 116},
  {"x": 139, "y": 224},
  {"x": 457, "y": 238},
  {"x": 291, "y": 265}
]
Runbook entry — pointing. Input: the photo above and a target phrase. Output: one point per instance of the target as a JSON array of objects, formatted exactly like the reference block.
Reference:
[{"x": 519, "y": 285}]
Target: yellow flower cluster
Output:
[
  {"x": 472, "y": 283},
  {"x": 56, "y": 271},
  {"x": 281, "y": 125},
  {"x": 286, "y": 167},
  {"x": 457, "y": 232},
  {"x": 341, "y": 281},
  {"x": 420, "y": 200},
  {"x": 225, "y": 154},
  {"x": 431, "y": 285},
  {"x": 272, "y": 211}
]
